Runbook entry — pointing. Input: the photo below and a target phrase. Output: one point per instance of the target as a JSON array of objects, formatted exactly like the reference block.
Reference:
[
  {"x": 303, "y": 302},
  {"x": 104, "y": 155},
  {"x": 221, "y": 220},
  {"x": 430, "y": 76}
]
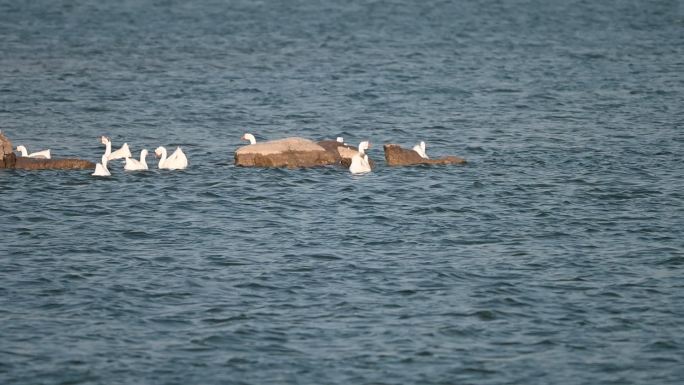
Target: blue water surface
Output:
[{"x": 555, "y": 256}]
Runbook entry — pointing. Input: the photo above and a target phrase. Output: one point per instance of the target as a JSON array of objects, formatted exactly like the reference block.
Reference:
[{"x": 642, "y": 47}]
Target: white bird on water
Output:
[
  {"x": 134, "y": 164},
  {"x": 101, "y": 168},
  {"x": 359, "y": 162},
  {"x": 177, "y": 160},
  {"x": 249, "y": 137},
  {"x": 123, "y": 152},
  {"x": 45, "y": 154},
  {"x": 108, "y": 145},
  {"x": 420, "y": 149}
]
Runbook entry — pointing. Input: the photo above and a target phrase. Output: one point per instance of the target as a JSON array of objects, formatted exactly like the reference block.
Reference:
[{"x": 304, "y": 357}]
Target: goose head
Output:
[
  {"x": 22, "y": 149},
  {"x": 340, "y": 139},
  {"x": 249, "y": 137},
  {"x": 143, "y": 153},
  {"x": 104, "y": 139},
  {"x": 363, "y": 146},
  {"x": 159, "y": 151}
]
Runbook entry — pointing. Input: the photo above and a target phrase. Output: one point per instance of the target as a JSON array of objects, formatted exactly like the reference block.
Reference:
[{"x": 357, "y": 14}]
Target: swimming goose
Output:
[
  {"x": 359, "y": 162},
  {"x": 420, "y": 149},
  {"x": 134, "y": 164},
  {"x": 250, "y": 137},
  {"x": 101, "y": 168},
  {"x": 123, "y": 152},
  {"x": 177, "y": 160},
  {"x": 45, "y": 154}
]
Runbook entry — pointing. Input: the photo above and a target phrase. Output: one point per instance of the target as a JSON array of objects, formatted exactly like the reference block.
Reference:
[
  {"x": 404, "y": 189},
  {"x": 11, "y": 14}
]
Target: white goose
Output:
[
  {"x": 45, "y": 154},
  {"x": 101, "y": 168},
  {"x": 177, "y": 160},
  {"x": 123, "y": 152},
  {"x": 359, "y": 162},
  {"x": 134, "y": 164},
  {"x": 108, "y": 145},
  {"x": 420, "y": 149},
  {"x": 250, "y": 137}
]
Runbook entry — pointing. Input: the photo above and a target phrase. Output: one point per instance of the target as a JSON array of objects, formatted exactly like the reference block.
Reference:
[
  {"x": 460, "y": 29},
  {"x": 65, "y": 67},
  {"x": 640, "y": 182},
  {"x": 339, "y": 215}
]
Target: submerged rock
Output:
[
  {"x": 289, "y": 152},
  {"x": 8, "y": 159},
  {"x": 395, "y": 155}
]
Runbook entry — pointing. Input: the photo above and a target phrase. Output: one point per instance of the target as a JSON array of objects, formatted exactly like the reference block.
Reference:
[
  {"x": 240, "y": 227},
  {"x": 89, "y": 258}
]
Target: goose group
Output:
[
  {"x": 360, "y": 164},
  {"x": 358, "y": 160},
  {"x": 177, "y": 160}
]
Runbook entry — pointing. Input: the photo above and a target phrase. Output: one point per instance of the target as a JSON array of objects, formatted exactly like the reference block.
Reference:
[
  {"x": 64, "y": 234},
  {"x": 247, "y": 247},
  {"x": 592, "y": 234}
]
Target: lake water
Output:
[{"x": 555, "y": 256}]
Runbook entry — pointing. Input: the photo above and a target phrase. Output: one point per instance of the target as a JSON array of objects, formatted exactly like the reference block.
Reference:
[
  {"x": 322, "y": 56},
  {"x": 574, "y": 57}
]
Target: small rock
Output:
[{"x": 395, "y": 155}]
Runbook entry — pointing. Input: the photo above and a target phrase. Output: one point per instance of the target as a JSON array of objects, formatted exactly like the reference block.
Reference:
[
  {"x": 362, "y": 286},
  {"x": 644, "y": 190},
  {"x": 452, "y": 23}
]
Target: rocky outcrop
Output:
[
  {"x": 395, "y": 155},
  {"x": 288, "y": 152},
  {"x": 5, "y": 146},
  {"x": 8, "y": 159},
  {"x": 342, "y": 152}
]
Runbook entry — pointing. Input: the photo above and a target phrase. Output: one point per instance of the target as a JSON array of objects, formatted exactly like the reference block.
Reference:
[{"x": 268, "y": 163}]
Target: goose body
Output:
[
  {"x": 101, "y": 168},
  {"x": 134, "y": 164},
  {"x": 123, "y": 152},
  {"x": 177, "y": 160},
  {"x": 45, "y": 154},
  {"x": 420, "y": 149},
  {"x": 359, "y": 162}
]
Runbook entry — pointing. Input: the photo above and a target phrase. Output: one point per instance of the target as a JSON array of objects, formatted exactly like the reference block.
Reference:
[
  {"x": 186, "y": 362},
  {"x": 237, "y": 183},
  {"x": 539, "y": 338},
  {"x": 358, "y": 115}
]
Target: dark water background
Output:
[{"x": 554, "y": 257}]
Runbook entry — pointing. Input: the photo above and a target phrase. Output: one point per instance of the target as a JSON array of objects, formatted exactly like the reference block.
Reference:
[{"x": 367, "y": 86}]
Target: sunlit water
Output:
[{"x": 554, "y": 257}]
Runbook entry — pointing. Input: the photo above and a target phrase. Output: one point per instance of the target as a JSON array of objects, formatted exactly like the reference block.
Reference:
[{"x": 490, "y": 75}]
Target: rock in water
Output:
[
  {"x": 25, "y": 163},
  {"x": 288, "y": 152},
  {"x": 5, "y": 146},
  {"x": 7, "y": 156},
  {"x": 395, "y": 155},
  {"x": 8, "y": 159}
]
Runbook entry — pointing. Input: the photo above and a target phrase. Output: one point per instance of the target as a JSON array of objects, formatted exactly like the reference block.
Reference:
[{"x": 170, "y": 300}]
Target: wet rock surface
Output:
[
  {"x": 395, "y": 155},
  {"x": 288, "y": 152}
]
